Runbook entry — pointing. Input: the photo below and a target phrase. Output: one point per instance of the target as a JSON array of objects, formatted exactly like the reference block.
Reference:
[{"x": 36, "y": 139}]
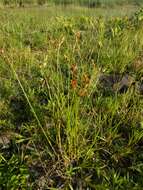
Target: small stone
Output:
[
  {"x": 124, "y": 84},
  {"x": 116, "y": 83}
]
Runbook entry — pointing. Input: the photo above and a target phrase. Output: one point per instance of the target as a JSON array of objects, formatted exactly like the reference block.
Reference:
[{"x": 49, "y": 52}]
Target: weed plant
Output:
[{"x": 71, "y": 103}]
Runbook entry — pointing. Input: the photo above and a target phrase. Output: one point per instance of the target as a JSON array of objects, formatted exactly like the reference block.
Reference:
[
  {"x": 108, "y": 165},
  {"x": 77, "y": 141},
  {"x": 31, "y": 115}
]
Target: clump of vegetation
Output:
[
  {"x": 87, "y": 3},
  {"x": 71, "y": 98}
]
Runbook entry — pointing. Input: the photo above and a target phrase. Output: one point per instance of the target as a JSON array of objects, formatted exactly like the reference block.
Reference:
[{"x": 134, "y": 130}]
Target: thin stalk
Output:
[{"x": 31, "y": 107}]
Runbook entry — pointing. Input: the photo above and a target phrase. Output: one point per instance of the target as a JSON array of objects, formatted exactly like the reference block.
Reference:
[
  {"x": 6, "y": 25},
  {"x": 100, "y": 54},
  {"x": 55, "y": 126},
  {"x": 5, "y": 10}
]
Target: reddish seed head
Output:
[{"x": 74, "y": 83}]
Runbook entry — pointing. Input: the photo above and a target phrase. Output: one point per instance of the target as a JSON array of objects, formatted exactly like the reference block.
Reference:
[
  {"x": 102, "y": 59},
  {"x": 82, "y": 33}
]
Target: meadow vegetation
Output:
[
  {"x": 88, "y": 3},
  {"x": 71, "y": 99}
]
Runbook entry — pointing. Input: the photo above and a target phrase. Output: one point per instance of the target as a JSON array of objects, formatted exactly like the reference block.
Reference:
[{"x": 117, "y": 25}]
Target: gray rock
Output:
[
  {"x": 124, "y": 84},
  {"x": 116, "y": 82}
]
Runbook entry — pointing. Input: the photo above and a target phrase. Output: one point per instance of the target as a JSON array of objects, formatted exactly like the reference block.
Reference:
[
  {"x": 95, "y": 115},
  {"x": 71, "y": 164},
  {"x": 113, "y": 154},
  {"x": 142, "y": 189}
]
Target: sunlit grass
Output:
[
  {"x": 71, "y": 99},
  {"x": 52, "y": 11}
]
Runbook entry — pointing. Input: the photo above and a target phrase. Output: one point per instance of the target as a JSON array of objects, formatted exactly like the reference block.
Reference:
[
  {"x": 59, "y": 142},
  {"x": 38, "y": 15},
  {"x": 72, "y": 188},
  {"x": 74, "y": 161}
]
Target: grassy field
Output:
[
  {"x": 71, "y": 98},
  {"x": 70, "y": 11},
  {"x": 87, "y": 3}
]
